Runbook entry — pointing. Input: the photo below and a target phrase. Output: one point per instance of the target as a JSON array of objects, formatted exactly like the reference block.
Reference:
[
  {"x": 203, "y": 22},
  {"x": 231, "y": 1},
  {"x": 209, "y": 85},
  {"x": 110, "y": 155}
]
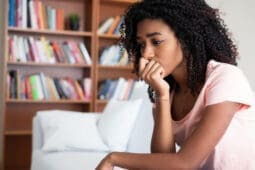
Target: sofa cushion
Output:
[
  {"x": 140, "y": 138},
  {"x": 66, "y": 160},
  {"x": 70, "y": 131},
  {"x": 117, "y": 122}
]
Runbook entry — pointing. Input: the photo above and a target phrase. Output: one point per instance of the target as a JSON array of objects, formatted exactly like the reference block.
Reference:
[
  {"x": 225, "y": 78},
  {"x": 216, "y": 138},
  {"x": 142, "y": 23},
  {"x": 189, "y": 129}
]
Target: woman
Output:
[{"x": 203, "y": 102}]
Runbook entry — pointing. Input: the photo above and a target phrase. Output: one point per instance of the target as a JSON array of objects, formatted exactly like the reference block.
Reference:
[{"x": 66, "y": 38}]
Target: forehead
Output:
[{"x": 148, "y": 26}]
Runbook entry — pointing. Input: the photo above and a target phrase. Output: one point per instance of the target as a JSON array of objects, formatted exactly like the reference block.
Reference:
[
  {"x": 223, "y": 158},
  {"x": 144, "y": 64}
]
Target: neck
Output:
[{"x": 180, "y": 76}]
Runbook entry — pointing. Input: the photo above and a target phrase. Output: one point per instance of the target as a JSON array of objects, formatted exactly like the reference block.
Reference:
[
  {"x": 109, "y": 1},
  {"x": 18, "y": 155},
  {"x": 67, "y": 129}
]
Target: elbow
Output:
[
  {"x": 162, "y": 150},
  {"x": 155, "y": 149},
  {"x": 159, "y": 150},
  {"x": 168, "y": 148}
]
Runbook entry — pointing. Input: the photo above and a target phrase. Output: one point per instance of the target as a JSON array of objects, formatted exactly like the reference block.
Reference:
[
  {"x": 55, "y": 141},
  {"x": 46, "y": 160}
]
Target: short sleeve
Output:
[{"x": 227, "y": 83}]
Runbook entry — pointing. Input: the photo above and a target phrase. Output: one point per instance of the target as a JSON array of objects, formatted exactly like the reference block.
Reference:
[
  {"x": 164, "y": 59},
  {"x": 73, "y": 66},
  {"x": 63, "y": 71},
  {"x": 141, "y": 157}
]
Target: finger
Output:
[
  {"x": 151, "y": 70},
  {"x": 147, "y": 68},
  {"x": 158, "y": 72},
  {"x": 142, "y": 64}
]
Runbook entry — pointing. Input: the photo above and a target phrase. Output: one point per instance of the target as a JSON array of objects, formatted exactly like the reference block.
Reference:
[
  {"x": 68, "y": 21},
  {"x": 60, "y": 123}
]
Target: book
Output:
[
  {"x": 68, "y": 54},
  {"x": 8, "y": 84},
  {"x": 110, "y": 55},
  {"x": 68, "y": 89},
  {"x": 44, "y": 86},
  {"x": 52, "y": 89},
  {"x": 79, "y": 90},
  {"x": 87, "y": 88},
  {"x": 124, "y": 59},
  {"x": 59, "y": 54},
  {"x": 11, "y": 13},
  {"x": 44, "y": 17},
  {"x": 104, "y": 89},
  {"x": 60, "y": 19},
  {"x": 37, "y": 91},
  {"x": 28, "y": 88},
  {"x": 117, "y": 29},
  {"x": 24, "y": 14},
  {"x": 119, "y": 86},
  {"x": 85, "y": 53},
  {"x": 11, "y": 50},
  {"x": 34, "y": 50},
  {"x": 105, "y": 26},
  {"x": 18, "y": 13},
  {"x": 114, "y": 25},
  {"x": 39, "y": 11},
  {"x": 32, "y": 14},
  {"x": 111, "y": 89},
  {"x": 22, "y": 90},
  {"x": 60, "y": 91},
  {"x": 26, "y": 49},
  {"x": 13, "y": 84},
  {"x": 75, "y": 52}
]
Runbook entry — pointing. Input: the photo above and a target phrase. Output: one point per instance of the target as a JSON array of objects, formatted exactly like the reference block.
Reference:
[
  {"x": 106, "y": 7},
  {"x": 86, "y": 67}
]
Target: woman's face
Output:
[{"x": 158, "y": 42}]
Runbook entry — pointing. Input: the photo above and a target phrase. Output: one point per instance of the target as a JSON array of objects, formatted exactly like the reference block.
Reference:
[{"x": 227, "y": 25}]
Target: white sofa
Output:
[{"x": 139, "y": 142}]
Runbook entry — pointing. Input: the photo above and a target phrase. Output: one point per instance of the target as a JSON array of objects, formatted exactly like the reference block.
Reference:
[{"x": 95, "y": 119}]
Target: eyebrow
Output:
[{"x": 150, "y": 35}]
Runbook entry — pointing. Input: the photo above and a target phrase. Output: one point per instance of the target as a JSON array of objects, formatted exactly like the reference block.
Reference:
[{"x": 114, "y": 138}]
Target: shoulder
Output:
[
  {"x": 225, "y": 82},
  {"x": 215, "y": 69},
  {"x": 225, "y": 74}
]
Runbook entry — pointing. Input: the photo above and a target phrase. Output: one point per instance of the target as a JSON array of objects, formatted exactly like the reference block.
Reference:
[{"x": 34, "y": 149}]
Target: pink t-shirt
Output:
[{"x": 236, "y": 149}]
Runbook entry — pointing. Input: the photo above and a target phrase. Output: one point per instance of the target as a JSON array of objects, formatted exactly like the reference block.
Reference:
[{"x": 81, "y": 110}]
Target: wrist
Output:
[
  {"x": 163, "y": 97},
  {"x": 163, "y": 93},
  {"x": 158, "y": 95}
]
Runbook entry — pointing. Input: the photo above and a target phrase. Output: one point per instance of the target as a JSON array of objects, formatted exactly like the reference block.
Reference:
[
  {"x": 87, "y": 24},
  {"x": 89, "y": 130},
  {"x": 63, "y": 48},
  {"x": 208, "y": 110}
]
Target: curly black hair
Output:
[{"x": 198, "y": 27}]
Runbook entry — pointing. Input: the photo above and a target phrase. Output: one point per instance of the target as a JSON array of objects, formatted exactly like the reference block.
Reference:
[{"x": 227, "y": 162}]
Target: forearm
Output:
[
  {"x": 162, "y": 138},
  {"x": 148, "y": 161}
]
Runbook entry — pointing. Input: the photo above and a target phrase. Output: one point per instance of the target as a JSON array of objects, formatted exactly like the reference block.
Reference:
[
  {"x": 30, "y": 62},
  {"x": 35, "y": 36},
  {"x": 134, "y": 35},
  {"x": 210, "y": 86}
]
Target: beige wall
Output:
[{"x": 240, "y": 18}]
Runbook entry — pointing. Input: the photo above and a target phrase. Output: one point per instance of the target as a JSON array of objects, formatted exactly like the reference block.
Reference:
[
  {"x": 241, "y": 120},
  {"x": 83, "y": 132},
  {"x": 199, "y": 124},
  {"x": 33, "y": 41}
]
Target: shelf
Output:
[
  {"x": 18, "y": 133},
  {"x": 121, "y": 1},
  {"x": 50, "y": 32},
  {"x": 105, "y": 36},
  {"x": 47, "y": 64},
  {"x": 99, "y": 101},
  {"x": 115, "y": 67},
  {"x": 48, "y": 101}
]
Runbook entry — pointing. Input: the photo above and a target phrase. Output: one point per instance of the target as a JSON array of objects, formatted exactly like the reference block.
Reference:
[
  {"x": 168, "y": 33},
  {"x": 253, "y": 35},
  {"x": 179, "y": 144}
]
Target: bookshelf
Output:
[
  {"x": 2, "y": 75},
  {"x": 105, "y": 10},
  {"x": 17, "y": 114}
]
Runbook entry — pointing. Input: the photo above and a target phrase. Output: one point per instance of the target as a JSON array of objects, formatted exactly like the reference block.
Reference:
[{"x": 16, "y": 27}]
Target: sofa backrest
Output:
[{"x": 140, "y": 138}]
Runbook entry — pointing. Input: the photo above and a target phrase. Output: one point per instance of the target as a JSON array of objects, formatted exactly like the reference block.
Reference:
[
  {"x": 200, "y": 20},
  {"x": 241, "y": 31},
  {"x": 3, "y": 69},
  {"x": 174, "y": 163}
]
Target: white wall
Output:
[{"x": 239, "y": 16}]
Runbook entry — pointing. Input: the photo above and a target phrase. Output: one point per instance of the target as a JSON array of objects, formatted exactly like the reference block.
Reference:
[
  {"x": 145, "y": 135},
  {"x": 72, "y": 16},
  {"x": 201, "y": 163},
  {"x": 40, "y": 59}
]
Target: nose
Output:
[{"x": 147, "y": 52}]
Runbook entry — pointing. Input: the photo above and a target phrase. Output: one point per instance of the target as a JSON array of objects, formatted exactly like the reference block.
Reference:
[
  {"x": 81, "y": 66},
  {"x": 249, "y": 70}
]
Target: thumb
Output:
[{"x": 142, "y": 63}]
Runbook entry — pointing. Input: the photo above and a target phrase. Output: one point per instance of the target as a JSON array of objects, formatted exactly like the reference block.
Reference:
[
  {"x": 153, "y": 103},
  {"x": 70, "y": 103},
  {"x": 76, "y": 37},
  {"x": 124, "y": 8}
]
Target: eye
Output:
[{"x": 156, "y": 42}]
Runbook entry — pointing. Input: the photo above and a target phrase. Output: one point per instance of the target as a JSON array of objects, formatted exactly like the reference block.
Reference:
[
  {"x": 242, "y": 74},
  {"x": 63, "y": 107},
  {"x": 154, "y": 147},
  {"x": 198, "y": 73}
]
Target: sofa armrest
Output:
[{"x": 37, "y": 135}]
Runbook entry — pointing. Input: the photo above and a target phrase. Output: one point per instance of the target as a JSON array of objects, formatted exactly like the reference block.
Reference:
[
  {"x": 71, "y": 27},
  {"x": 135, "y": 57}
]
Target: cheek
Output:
[
  {"x": 170, "y": 56},
  {"x": 171, "y": 60}
]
